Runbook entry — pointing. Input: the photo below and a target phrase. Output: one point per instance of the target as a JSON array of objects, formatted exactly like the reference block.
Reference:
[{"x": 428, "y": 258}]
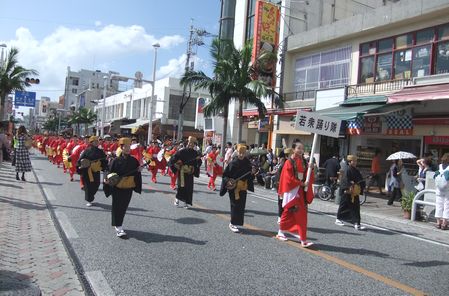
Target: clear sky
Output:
[{"x": 104, "y": 35}]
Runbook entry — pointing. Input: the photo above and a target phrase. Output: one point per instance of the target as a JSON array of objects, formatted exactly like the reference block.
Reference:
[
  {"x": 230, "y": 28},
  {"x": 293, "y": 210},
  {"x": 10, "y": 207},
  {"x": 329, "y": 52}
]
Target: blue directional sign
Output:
[{"x": 25, "y": 98}]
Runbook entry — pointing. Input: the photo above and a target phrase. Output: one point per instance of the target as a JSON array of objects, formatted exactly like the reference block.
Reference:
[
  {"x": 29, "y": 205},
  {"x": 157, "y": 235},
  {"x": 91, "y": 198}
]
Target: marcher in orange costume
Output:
[
  {"x": 151, "y": 156},
  {"x": 136, "y": 150},
  {"x": 212, "y": 170},
  {"x": 294, "y": 198},
  {"x": 74, "y": 156},
  {"x": 172, "y": 175}
]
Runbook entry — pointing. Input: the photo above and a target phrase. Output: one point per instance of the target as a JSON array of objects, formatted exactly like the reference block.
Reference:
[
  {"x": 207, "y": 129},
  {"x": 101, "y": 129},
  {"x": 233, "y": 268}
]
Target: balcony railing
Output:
[
  {"x": 377, "y": 87},
  {"x": 299, "y": 95}
]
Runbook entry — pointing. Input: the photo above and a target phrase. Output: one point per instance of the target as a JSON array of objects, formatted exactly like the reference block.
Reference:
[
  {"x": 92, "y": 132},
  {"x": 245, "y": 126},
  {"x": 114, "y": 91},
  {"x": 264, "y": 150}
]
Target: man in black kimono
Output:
[
  {"x": 128, "y": 169},
  {"x": 351, "y": 186},
  {"x": 240, "y": 170},
  {"x": 91, "y": 173},
  {"x": 186, "y": 164}
]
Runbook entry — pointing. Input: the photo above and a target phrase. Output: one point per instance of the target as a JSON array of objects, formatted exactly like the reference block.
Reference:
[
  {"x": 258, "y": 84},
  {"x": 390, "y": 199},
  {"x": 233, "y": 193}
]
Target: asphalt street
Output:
[{"x": 177, "y": 251}]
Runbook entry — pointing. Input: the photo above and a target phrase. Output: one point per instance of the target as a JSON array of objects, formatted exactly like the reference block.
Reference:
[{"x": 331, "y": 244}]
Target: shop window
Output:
[
  {"x": 442, "y": 58},
  {"x": 424, "y": 36},
  {"x": 443, "y": 32},
  {"x": 366, "y": 70},
  {"x": 404, "y": 41},
  {"x": 386, "y": 45},
  {"x": 402, "y": 64},
  {"x": 421, "y": 61},
  {"x": 384, "y": 63}
]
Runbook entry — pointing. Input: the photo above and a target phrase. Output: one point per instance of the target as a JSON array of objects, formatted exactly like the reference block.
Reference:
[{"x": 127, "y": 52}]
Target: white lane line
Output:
[
  {"x": 49, "y": 194},
  {"x": 99, "y": 283},
  {"x": 66, "y": 225}
]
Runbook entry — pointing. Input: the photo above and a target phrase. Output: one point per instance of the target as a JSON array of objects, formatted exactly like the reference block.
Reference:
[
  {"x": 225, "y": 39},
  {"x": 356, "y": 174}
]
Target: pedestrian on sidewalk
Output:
[
  {"x": 128, "y": 169},
  {"x": 351, "y": 186},
  {"x": 4, "y": 145},
  {"x": 375, "y": 172},
  {"x": 295, "y": 197},
  {"x": 442, "y": 193},
  {"x": 90, "y": 173},
  {"x": 22, "y": 156},
  {"x": 395, "y": 183},
  {"x": 240, "y": 173}
]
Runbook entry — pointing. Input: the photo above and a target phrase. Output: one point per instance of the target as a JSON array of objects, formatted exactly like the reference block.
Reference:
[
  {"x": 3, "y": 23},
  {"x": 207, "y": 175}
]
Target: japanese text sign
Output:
[{"x": 315, "y": 123}]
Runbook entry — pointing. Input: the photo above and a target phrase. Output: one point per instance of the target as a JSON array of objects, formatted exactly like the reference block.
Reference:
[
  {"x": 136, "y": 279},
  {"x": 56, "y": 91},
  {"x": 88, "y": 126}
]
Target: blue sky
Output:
[{"x": 104, "y": 35}]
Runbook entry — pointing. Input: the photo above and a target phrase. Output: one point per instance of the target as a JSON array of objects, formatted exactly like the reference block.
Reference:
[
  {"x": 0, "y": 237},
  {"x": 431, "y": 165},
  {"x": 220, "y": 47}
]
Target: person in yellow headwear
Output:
[
  {"x": 185, "y": 163},
  {"x": 90, "y": 173},
  {"x": 127, "y": 168},
  {"x": 351, "y": 186},
  {"x": 241, "y": 173}
]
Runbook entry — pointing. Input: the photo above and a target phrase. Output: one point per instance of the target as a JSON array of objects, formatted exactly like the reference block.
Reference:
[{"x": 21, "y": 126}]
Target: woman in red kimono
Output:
[{"x": 294, "y": 196}]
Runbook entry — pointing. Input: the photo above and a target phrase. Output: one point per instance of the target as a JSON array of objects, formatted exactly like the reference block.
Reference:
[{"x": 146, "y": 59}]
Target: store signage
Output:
[
  {"x": 315, "y": 123},
  {"x": 399, "y": 123},
  {"x": 264, "y": 125},
  {"x": 253, "y": 124},
  {"x": 372, "y": 125},
  {"x": 437, "y": 140}
]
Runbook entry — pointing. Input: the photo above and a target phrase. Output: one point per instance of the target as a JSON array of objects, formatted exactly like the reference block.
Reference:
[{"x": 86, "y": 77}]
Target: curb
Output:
[{"x": 66, "y": 243}]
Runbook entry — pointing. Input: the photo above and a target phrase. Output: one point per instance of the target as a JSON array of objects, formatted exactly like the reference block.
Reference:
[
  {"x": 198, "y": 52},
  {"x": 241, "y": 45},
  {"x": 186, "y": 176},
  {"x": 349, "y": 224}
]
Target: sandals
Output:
[{"x": 444, "y": 227}]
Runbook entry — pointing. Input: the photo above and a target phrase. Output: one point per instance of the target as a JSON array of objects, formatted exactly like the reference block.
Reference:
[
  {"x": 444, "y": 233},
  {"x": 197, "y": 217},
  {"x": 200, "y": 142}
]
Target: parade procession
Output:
[{"x": 232, "y": 147}]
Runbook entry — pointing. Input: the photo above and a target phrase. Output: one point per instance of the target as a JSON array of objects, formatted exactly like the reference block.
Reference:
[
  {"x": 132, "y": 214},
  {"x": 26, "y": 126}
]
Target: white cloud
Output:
[
  {"x": 79, "y": 47},
  {"x": 98, "y": 23},
  {"x": 176, "y": 67}
]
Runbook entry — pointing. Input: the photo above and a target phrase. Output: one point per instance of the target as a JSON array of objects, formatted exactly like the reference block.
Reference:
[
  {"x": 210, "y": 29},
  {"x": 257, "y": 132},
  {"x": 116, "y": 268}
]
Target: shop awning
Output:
[
  {"x": 138, "y": 124},
  {"x": 349, "y": 112},
  {"x": 420, "y": 93},
  {"x": 387, "y": 109},
  {"x": 365, "y": 100}
]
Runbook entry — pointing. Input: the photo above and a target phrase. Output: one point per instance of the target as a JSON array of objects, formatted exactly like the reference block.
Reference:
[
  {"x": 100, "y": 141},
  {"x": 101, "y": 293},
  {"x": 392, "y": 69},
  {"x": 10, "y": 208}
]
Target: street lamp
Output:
[
  {"x": 59, "y": 111},
  {"x": 150, "y": 107}
]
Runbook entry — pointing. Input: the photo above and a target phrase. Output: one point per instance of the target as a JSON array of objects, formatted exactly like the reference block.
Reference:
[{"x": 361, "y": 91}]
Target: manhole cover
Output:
[{"x": 18, "y": 288}]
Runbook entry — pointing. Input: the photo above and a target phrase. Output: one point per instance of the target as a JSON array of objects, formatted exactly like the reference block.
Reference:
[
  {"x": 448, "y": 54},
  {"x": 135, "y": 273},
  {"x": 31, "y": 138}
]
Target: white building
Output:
[
  {"x": 133, "y": 104},
  {"x": 84, "y": 86}
]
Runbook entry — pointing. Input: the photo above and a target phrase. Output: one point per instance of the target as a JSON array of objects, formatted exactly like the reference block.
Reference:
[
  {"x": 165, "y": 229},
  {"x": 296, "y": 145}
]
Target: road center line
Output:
[
  {"x": 49, "y": 194},
  {"x": 328, "y": 257}
]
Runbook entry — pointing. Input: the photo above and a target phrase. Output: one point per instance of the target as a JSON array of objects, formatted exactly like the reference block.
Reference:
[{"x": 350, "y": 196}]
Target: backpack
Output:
[{"x": 442, "y": 178}]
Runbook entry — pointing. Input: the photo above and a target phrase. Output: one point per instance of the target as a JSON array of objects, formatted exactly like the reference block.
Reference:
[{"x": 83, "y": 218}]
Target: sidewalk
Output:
[
  {"x": 33, "y": 259},
  {"x": 374, "y": 211}
]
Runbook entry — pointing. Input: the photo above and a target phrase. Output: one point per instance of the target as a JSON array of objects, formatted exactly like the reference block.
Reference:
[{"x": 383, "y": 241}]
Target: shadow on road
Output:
[
  {"x": 190, "y": 220},
  {"x": 329, "y": 231},
  {"x": 352, "y": 251},
  {"x": 432, "y": 263},
  {"x": 13, "y": 283},
  {"x": 149, "y": 237}
]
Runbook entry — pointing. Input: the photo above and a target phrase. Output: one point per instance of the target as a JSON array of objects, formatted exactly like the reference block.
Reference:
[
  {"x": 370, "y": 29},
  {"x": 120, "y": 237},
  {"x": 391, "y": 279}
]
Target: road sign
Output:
[
  {"x": 25, "y": 99},
  {"x": 315, "y": 123}
]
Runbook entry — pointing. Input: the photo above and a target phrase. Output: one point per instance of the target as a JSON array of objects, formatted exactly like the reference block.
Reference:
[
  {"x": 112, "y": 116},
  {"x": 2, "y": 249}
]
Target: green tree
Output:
[
  {"x": 12, "y": 77},
  {"x": 232, "y": 80},
  {"x": 87, "y": 117},
  {"x": 51, "y": 124},
  {"x": 75, "y": 119}
]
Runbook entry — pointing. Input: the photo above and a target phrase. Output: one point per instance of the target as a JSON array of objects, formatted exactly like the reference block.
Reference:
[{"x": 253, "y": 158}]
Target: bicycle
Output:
[{"x": 327, "y": 192}]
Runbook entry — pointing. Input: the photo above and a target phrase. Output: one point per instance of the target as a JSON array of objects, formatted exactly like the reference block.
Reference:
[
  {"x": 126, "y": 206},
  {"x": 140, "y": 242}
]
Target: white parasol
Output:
[{"x": 401, "y": 155}]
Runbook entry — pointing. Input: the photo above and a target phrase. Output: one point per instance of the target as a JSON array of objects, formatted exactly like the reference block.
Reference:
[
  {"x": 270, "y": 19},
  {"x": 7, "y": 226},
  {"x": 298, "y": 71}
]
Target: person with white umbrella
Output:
[{"x": 396, "y": 171}]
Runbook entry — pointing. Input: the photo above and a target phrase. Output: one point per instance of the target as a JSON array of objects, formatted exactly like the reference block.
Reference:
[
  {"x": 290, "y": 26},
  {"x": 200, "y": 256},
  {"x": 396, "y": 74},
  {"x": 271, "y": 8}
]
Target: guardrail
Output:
[{"x": 417, "y": 201}]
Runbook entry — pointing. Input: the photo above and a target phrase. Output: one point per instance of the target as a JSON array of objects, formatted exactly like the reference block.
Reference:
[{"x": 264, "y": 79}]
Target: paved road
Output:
[{"x": 176, "y": 251}]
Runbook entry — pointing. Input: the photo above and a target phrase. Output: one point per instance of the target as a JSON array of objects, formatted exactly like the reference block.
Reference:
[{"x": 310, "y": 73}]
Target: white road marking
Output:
[
  {"x": 66, "y": 225},
  {"x": 41, "y": 179},
  {"x": 49, "y": 194},
  {"x": 99, "y": 283}
]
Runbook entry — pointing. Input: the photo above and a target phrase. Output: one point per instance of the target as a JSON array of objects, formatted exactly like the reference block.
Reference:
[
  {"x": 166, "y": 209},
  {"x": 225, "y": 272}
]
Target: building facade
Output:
[
  {"x": 84, "y": 86},
  {"x": 133, "y": 105}
]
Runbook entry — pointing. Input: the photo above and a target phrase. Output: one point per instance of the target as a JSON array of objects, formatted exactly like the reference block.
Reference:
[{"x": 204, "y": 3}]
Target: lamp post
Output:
[
  {"x": 59, "y": 111},
  {"x": 150, "y": 107}
]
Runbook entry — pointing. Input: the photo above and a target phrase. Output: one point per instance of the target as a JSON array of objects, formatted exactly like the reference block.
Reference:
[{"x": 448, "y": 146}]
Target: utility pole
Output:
[{"x": 195, "y": 39}]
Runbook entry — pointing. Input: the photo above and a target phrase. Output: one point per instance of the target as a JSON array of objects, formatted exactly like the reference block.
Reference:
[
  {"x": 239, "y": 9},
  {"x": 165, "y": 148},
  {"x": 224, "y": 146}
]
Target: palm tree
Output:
[
  {"x": 232, "y": 81},
  {"x": 12, "y": 77},
  {"x": 74, "y": 119},
  {"x": 87, "y": 116}
]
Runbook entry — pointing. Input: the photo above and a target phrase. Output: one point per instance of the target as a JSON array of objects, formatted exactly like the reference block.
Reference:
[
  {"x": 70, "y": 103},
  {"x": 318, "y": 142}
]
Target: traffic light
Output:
[{"x": 32, "y": 80}]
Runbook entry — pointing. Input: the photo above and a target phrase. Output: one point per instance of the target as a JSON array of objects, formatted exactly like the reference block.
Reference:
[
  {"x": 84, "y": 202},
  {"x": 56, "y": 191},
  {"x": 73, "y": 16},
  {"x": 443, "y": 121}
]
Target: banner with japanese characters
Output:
[{"x": 315, "y": 123}]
